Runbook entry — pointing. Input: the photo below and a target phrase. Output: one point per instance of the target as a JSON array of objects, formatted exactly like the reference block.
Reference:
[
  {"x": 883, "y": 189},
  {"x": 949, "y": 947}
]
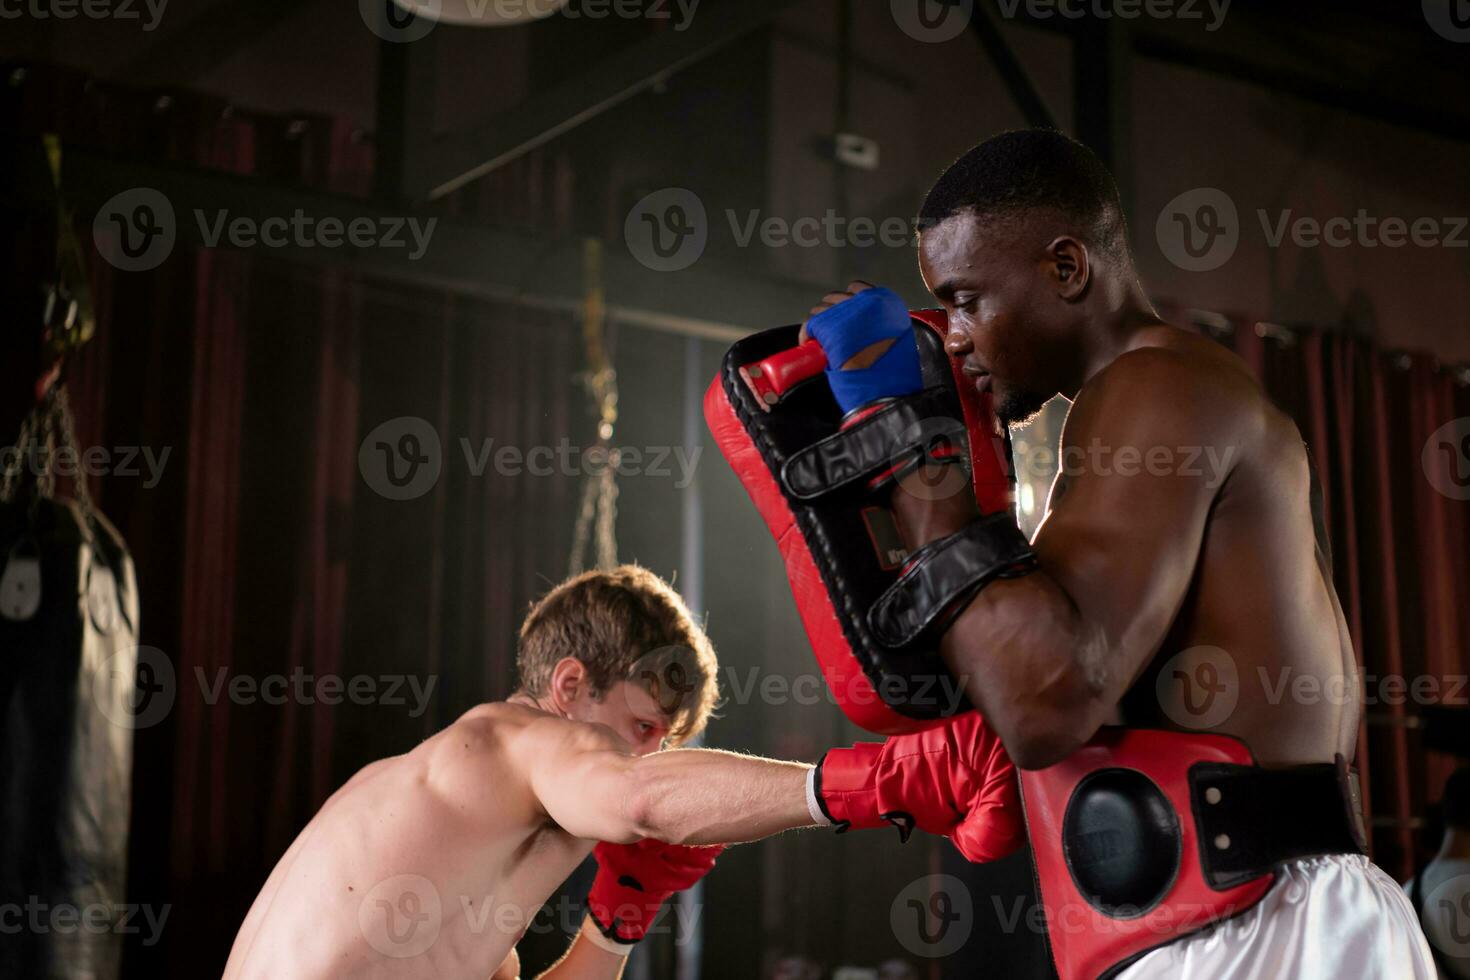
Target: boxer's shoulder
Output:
[{"x": 1176, "y": 381}]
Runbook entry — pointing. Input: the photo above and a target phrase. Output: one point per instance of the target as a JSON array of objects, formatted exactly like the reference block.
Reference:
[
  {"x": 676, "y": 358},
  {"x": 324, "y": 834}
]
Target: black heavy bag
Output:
[{"x": 68, "y": 655}]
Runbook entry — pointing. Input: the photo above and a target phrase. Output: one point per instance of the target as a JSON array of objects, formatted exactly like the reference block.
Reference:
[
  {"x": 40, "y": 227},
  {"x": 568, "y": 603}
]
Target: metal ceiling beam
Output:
[
  {"x": 1023, "y": 91},
  {"x": 1389, "y": 66},
  {"x": 469, "y": 260},
  {"x": 1102, "y": 87},
  {"x": 446, "y": 164}
]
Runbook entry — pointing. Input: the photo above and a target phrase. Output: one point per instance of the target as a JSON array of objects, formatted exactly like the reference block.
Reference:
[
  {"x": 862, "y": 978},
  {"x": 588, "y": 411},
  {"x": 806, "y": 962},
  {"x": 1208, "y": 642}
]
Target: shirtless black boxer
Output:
[{"x": 1179, "y": 537}]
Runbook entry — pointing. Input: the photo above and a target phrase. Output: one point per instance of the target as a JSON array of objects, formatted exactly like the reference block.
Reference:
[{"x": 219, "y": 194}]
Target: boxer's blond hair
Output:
[{"x": 624, "y": 623}]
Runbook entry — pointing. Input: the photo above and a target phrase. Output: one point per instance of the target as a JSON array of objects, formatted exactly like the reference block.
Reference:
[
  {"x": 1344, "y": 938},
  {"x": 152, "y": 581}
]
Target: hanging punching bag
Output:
[{"x": 68, "y": 650}]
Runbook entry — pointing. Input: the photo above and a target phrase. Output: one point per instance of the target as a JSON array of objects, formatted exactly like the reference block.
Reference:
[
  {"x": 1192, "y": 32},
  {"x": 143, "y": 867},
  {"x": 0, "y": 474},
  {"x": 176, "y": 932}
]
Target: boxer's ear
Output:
[
  {"x": 569, "y": 682},
  {"x": 1069, "y": 266}
]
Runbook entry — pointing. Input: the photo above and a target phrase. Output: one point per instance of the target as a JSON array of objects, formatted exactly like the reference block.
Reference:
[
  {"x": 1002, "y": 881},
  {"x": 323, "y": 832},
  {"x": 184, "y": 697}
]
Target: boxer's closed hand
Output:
[
  {"x": 634, "y": 880},
  {"x": 955, "y": 780},
  {"x": 867, "y": 336}
]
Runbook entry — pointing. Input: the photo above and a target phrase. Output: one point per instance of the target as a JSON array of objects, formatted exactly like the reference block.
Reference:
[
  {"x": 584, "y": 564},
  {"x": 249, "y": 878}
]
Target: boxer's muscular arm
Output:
[
  {"x": 588, "y": 783},
  {"x": 1048, "y": 656}
]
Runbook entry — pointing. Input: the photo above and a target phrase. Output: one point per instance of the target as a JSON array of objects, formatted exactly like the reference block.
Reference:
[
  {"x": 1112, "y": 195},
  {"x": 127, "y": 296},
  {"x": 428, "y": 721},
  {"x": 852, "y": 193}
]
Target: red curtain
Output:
[
  {"x": 1399, "y": 543},
  {"x": 262, "y": 553}
]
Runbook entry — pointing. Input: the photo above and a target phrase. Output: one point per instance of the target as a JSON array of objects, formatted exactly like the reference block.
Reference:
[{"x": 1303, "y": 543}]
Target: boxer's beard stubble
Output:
[{"x": 1019, "y": 406}]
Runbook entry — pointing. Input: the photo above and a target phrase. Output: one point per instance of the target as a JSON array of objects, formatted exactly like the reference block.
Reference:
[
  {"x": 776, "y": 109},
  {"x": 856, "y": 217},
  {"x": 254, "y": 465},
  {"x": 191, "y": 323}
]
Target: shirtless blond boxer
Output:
[{"x": 432, "y": 864}]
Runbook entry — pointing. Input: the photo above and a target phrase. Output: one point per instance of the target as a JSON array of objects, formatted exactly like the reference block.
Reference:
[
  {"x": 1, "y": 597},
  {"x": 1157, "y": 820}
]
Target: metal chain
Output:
[
  {"x": 599, "y": 508},
  {"x": 49, "y": 427}
]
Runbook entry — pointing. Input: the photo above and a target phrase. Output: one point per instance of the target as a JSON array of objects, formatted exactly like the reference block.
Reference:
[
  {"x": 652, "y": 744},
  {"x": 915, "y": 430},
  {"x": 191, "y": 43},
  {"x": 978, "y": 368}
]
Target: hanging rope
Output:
[
  {"x": 68, "y": 322},
  {"x": 597, "y": 514}
]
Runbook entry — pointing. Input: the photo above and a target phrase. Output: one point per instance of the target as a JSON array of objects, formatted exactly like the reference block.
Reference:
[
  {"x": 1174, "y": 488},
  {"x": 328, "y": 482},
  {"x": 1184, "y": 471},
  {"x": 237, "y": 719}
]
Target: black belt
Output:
[{"x": 1250, "y": 820}]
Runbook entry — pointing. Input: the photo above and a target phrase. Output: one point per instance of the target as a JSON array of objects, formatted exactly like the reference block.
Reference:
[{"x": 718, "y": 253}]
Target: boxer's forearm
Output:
[
  {"x": 705, "y": 796},
  {"x": 588, "y": 958},
  {"x": 1021, "y": 649}
]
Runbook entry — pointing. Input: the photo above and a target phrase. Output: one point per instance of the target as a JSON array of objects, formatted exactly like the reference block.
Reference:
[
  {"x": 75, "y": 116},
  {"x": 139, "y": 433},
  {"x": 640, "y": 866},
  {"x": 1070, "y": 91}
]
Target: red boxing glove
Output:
[
  {"x": 634, "y": 880},
  {"x": 954, "y": 780}
]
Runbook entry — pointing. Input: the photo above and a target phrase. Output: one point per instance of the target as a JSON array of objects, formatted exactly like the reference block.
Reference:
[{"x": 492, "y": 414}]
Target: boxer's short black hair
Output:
[
  {"x": 1456, "y": 801},
  {"x": 1028, "y": 170}
]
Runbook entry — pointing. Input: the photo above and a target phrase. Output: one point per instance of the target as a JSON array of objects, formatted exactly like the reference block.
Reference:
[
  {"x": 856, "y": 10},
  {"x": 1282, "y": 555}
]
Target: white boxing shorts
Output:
[{"x": 1329, "y": 917}]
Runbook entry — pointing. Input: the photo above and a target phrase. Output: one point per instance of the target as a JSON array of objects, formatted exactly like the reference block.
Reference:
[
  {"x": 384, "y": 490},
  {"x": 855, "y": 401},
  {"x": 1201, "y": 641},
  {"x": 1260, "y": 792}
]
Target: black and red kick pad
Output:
[{"x": 773, "y": 416}]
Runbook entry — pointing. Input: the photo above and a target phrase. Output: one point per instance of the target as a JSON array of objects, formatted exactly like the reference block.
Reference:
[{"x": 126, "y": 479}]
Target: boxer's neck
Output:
[
  {"x": 540, "y": 704},
  {"x": 1118, "y": 311}
]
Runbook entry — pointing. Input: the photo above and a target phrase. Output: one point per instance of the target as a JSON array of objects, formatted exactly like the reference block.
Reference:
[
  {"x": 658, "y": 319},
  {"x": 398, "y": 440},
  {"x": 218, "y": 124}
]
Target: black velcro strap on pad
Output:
[
  {"x": 1252, "y": 819},
  {"x": 891, "y": 435},
  {"x": 945, "y": 571}
]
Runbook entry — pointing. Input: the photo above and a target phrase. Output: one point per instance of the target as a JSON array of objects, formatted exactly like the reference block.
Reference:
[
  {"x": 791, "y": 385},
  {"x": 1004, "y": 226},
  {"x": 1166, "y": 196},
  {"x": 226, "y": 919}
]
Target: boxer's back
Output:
[
  {"x": 1259, "y": 648},
  {"x": 429, "y": 863}
]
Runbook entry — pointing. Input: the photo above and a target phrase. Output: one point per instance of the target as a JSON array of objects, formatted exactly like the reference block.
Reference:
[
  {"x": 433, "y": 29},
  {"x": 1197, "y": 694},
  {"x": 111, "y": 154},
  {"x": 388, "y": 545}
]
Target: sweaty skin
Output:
[
  {"x": 489, "y": 816},
  {"x": 1181, "y": 521}
]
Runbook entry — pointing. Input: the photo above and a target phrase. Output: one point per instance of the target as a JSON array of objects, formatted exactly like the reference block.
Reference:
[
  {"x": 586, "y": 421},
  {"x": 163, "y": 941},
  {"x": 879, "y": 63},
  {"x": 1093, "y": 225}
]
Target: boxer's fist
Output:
[
  {"x": 634, "y": 880},
  {"x": 869, "y": 342},
  {"x": 954, "y": 780}
]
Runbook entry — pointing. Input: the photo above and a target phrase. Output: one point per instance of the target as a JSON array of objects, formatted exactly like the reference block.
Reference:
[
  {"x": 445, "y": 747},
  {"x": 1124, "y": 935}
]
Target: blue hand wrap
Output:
[{"x": 871, "y": 316}]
